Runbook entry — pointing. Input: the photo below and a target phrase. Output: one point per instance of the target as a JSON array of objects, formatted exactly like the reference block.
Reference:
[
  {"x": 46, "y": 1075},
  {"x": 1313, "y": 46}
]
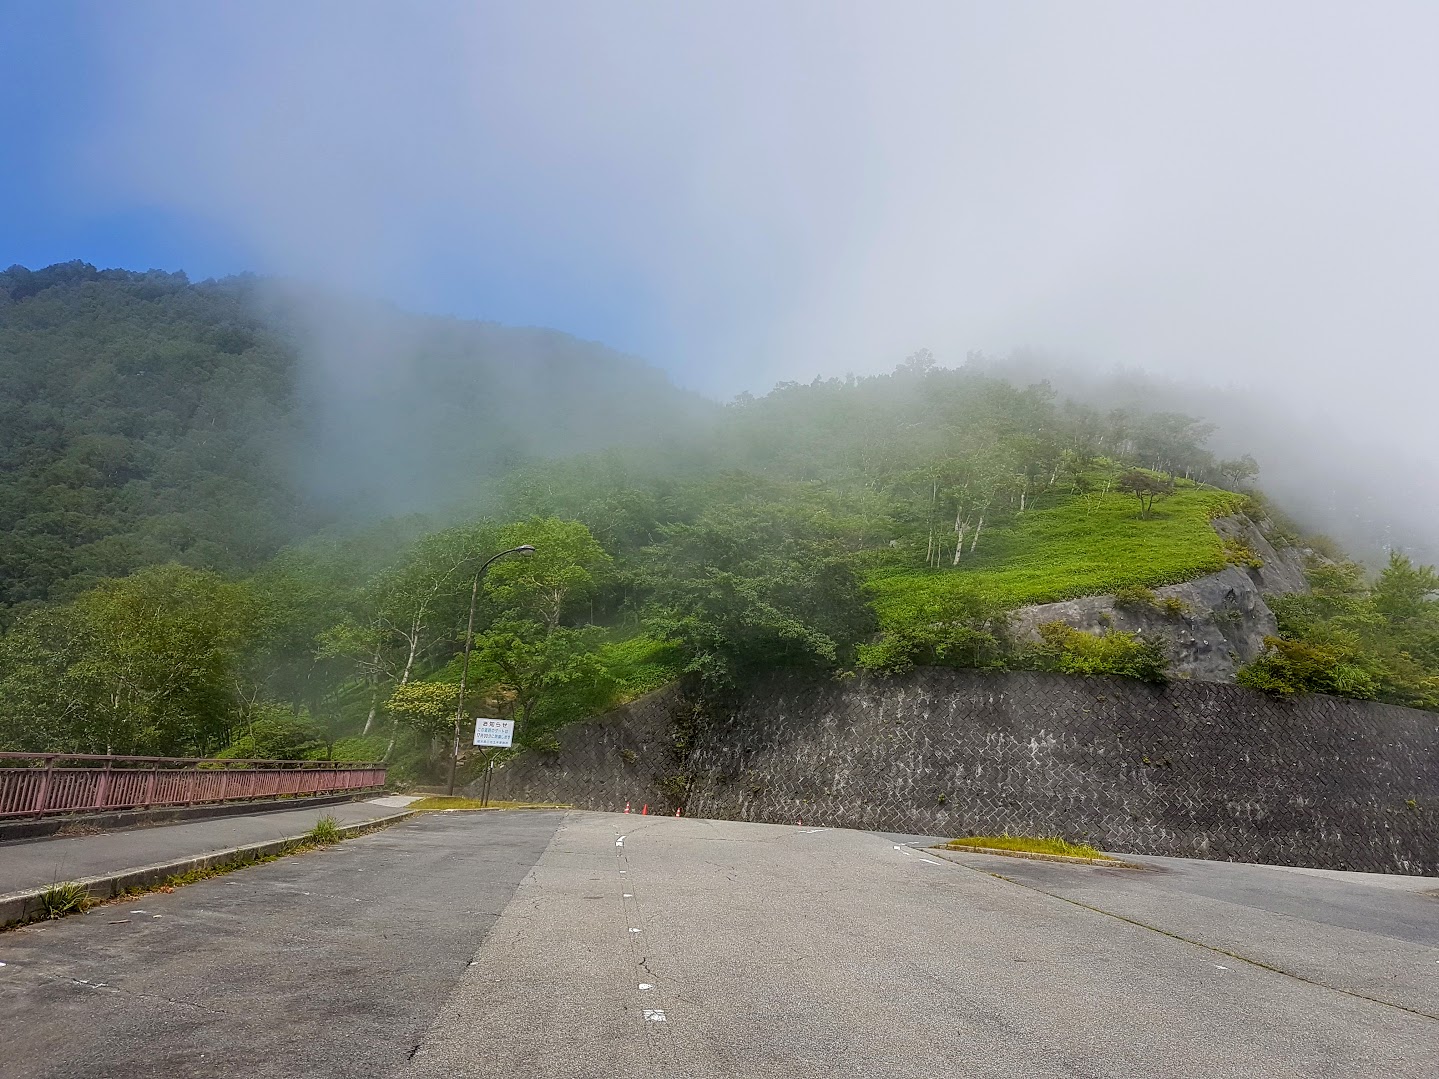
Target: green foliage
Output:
[
  {"x": 970, "y": 633},
  {"x": 1239, "y": 553},
  {"x": 1289, "y": 667},
  {"x": 1061, "y": 551},
  {"x": 146, "y": 419},
  {"x": 1135, "y": 597},
  {"x": 1072, "y": 651},
  {"x": 69, "y": 897},
  {"x": 1146, "y": 487},
  {"x": 428, "y": 707},
  {"x": 143, "y": 664},
  {"x": 881, "y": 522},
  {"x": 1353, "y": 639},
  {"x": 1139, "y": 598},
  {"x": 273, "y": 732},
  {"x": 753, "y": 587},
  {"x": 325, "y": 831},
  {"x": 638, "y": 665}
]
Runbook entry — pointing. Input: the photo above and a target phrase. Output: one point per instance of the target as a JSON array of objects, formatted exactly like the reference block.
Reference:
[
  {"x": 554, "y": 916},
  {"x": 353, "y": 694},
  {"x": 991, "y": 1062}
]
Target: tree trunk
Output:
[
  {"x": 375, "y": 693},
  {"x": 975, "y": 542}
]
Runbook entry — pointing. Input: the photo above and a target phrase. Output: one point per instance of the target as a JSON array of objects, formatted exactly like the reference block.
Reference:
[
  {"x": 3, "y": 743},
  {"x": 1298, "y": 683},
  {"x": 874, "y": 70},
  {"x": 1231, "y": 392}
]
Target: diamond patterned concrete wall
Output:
[
  {"x": 1192, "y": 768},
  {"x": 628, "y": 755}
]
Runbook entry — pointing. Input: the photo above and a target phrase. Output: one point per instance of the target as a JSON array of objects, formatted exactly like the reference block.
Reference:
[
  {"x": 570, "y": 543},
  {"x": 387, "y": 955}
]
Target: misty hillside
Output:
[
  {"x": 145, "y": 418},
  {"x": 210, "y": 547}
]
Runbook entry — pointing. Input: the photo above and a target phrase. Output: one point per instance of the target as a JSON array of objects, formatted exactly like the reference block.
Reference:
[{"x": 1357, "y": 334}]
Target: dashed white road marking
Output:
[
  {"x": 629, "y": 895},
  {"x": 902, "y": 850},
  {"x": 633, "y": 929},
  {"x": 646, "y": 985},
  {"x": 655, "y": 1015},
  {"x": 620, "y": 842},
  {"x": 811, "y": 831}
]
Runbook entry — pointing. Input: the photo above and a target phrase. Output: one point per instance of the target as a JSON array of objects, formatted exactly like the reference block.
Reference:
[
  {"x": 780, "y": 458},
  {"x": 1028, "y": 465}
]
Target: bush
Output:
[
  {"x": 1135, "y": 597},
  {"x": 1072, "y": 651},
  {"x": 277, "y": 734},
  {"x": 1287, "y": 668}
]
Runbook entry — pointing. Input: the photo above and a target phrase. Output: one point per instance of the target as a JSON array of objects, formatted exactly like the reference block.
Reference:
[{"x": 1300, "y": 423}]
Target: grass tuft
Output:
[
  {"x": 1049, "y": 844},
  {"x": 325, "y": 831},
  {"x": 69, "y": 897}
]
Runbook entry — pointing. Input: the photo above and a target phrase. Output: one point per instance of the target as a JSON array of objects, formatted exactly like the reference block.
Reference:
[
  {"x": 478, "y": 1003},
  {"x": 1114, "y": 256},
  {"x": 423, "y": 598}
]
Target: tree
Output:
[
  {"x": 751, "y": 587},
  {"x": 143, "y": 664},
  {"x": 1239, "y": 470},
  {"x": 565, "y": 568},
  {"x": 1146, "y": 487},
  {"x": 531, "y": 663}
]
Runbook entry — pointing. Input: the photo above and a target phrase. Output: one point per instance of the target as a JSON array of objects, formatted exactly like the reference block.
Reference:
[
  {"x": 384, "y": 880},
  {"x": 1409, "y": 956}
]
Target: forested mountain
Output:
[
  {"x": 145, "y": 418},
  {"x": 197, "y": 605}
]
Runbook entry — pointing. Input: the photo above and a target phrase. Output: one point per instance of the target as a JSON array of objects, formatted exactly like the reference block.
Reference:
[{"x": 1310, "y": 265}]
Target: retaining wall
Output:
[{"x": 1192, "y": 769}]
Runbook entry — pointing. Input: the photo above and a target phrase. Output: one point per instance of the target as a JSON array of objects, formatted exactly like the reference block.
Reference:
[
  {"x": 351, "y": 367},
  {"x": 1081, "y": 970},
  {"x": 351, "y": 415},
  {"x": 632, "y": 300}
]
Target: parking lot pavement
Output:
[{"x": 600, "y": 945}]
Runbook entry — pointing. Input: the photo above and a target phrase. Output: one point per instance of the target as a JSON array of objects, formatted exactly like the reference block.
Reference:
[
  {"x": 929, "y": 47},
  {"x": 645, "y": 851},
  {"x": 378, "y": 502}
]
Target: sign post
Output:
[{"x": 492, "y": 734}]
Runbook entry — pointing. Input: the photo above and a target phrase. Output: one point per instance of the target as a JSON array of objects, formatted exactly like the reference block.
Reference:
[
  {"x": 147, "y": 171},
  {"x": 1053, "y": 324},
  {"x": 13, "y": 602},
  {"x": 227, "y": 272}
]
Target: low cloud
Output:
[{"x": 1236, "y": 195}]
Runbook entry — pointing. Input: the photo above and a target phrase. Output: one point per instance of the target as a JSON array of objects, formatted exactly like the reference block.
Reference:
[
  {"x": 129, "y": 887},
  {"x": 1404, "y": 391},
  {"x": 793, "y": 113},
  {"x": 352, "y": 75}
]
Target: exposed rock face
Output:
[{"x": 1225, "y": 620}]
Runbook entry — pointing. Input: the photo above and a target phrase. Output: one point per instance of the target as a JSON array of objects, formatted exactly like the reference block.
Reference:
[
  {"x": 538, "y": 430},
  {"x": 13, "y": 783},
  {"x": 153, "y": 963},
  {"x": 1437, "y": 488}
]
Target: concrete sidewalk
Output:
[{"x": 26, "y": 865}]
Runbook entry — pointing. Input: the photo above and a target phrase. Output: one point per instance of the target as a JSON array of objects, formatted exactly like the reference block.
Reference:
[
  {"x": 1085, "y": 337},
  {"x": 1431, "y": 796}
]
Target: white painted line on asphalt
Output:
[
  {"x": 620, "y": 842},
  {"x": 655, "y": 1015},
  {"x": 1221, "y": 968},
  {"x": 811, "y": 831},
  {"x": 930, "y": 861},
  {"x": 629, "y": 895},
  {"x": 643, "y": 985},
  {"x": 902, "y": 850},
  {"x": 633, "y": 929}
]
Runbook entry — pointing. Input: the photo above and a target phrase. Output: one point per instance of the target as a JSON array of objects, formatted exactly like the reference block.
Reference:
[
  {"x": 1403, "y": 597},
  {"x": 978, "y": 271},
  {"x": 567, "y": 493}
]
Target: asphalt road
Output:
[
  {"x": 588, "y": 945},
  {"x": 38, "y": 863}
]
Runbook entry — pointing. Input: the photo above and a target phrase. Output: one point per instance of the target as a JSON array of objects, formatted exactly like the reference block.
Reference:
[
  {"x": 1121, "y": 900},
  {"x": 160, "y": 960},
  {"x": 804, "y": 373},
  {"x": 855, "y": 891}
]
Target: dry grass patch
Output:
[
  {"x": 1047, "y": 844},
  {"x": 440, "y": 802}
]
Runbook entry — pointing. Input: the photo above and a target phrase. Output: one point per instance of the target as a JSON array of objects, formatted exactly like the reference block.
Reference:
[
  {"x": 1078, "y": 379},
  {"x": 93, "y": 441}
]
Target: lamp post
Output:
[{"x": 522, "y": 549}]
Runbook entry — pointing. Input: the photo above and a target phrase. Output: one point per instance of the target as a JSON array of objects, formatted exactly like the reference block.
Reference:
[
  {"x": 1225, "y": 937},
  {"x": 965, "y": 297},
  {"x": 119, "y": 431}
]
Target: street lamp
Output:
[{"x": 522, "y": 549}]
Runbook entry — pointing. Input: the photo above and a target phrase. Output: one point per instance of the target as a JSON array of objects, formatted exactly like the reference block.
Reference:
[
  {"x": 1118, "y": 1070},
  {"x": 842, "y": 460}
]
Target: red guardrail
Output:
[{"x": 34, "y": 784}]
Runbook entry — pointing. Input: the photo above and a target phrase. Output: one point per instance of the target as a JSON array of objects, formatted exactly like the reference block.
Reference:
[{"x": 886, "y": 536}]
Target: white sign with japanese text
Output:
[{"x": 495, "y": 733}]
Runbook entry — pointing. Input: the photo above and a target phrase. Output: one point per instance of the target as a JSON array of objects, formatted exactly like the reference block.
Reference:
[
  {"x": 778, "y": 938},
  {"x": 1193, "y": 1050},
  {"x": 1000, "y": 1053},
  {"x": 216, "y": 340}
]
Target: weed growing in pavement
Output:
[
  {"x": 69, "y": 897},
  {"x": 325, "y": 831}
]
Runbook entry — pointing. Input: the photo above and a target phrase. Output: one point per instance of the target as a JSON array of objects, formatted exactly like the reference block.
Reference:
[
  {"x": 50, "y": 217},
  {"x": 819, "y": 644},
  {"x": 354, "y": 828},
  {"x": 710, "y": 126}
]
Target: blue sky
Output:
[
  {"x": 62, "y": 203},
  {"x": 747, "y": 191}
]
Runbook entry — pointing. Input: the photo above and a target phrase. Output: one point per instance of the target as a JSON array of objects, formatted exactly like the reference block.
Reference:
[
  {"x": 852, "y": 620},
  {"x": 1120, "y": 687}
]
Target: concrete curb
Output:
[
  {"x": 17, "y": 908},
  {"x": 17, "y": 831},
  {"x": 1032, "y": 856}
]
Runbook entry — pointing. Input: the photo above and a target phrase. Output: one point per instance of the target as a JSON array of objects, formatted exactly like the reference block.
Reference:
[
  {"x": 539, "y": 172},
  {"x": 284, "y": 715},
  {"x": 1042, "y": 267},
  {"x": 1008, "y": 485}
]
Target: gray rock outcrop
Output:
[{"x": 1224, "y": 620}]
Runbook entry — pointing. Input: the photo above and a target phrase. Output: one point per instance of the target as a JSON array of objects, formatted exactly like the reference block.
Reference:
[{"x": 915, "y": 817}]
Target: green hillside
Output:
[
  {"x": 145, "y": 417},
  {"x": 1072, "y": 546},
  {"x": 176, "y": 588}
]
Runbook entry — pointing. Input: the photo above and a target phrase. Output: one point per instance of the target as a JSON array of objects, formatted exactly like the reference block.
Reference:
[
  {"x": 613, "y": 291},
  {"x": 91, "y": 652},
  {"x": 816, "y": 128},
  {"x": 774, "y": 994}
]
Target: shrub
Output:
[
  {"x": 1135, "y": 597},
  {"x": 1289, "y": 667},
  {"x": 1239, "y": 553},
  {"x": 1072, "y": 651}
]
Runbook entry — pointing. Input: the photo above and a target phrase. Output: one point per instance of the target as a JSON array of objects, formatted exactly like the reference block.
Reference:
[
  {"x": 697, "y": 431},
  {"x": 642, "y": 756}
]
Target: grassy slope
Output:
[{"x": 1067, "y": 549}]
